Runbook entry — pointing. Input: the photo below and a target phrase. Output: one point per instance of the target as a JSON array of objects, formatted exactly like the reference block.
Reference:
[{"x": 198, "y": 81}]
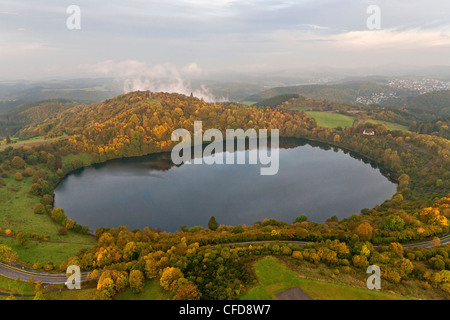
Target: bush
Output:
[
  {"x": 28, "y": 172},
  {"x": 18, "y": 163},
  {"x": 195, "y": 229},
  {"x": 437, "y": 263},
  {"x": 297, "y": 255},
  {"x": 238, "y": 229},
  {"x": 18, "y": 176},
  {"x": 62, "y": 231},
  {"x": 22, "y": 238},
  {"x": 58, "y": 215},
  {"x": 47, "y": 199},
  {"x": 40, "y": 209}
]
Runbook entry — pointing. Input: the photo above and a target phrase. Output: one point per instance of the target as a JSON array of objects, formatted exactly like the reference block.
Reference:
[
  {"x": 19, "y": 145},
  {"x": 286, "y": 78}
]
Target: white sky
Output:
[{"x": 197, "y": 36}]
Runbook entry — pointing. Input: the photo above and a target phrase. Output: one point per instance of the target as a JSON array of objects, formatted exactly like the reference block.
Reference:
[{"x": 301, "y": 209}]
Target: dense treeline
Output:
[
  {"x": 276, "y": 101},
  {"x": 439, "y": 127},
  {"x": 316, "y": 104},
  {"x": 143, "y": 122},
  {"x": 190, "y": 270}
]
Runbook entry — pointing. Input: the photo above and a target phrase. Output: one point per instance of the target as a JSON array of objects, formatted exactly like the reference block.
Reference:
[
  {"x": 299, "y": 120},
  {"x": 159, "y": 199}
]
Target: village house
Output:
[{"x": 369, "y": 132}]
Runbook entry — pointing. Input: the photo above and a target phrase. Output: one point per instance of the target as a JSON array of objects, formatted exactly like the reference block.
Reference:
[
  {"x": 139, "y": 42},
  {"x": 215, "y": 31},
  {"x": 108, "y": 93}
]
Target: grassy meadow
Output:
[{"x": 274, "y": 277}]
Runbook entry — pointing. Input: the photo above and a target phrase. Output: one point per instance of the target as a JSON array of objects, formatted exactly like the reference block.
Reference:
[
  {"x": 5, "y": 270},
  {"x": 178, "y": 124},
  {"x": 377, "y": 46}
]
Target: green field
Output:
[
  {"x": 275, "y": 277},
  {"x": 331, "y": 120},
  {"x": 152, "y": 291},
  {"x": 84, "y": 294},
  {"x": 58, "y": 292},
  {"x": 17, "y": 213},
  {"x": 17, "y": 141},
  {"x": 28, "y": 142},
  {"x": 15, "y": 287},
  {"x": 45, "y": 252},
  {"x": 334, "y": 120}
]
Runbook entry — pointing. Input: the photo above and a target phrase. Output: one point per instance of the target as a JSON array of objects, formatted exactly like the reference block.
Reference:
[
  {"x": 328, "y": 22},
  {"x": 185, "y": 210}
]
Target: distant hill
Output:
[
  {"x": 436, "y": 103},
  {"x": 44, "y": 93},
  {"x": 342, "y": 92},
  {"x": 276, "y": 101},
  {"x": 13, "y": 94},
  {"x": 32, "y": 113}
]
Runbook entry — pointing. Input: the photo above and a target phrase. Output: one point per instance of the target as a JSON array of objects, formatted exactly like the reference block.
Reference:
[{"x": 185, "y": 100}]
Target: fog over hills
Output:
[{"x": 129, "y": 76}]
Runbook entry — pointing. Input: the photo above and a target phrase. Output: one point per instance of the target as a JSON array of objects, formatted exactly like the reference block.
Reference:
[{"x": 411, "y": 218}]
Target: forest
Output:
[{"x": 197, "y": 263}]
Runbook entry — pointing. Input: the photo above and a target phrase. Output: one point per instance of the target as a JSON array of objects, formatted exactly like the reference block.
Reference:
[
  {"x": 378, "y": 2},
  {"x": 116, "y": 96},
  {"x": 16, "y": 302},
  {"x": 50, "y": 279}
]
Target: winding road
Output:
[{"x": 14, "y": 271}]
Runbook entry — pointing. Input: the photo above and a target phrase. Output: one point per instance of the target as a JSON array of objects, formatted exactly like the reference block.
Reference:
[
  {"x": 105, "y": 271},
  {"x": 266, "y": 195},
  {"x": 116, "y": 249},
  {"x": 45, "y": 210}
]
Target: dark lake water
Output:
[{"x": 313, "y": 179}]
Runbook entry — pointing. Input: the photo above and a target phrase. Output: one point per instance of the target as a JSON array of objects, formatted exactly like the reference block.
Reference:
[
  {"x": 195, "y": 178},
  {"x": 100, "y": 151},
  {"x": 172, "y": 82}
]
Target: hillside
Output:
[
  {"x": 277, "y": 100},
  {"x": 138, "y": 122},
  {"x": 435, "y": 103},
  {"x": 93, "y": 90},
  {"x": 342, "y": 92},
  {"x": 32, "y": 114}
]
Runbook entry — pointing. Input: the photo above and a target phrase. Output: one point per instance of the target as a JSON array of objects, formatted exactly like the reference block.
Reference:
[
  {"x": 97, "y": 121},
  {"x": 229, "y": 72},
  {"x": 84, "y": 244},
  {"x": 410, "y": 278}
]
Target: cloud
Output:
[
  {"x": 193, "y": 70},
  {"x": 367, "y": 39},
  {"x": 381, "y": 39},
  {"x": 22, "y": 49},
  {"x": 203, "y": 37},
  {"x": 134, "y": 75}
]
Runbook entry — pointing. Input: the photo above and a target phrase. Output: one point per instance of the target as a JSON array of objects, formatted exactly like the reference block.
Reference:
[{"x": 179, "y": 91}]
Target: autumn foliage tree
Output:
[
  {"x": 364, "y": 231},
  {"x": 136, "y": 281},
  {"x": 169, "y": 278},
  {"x": 7, "y": 254},
  {"x": 18, "y": 163},
  {"x": 187, "y": 291}
]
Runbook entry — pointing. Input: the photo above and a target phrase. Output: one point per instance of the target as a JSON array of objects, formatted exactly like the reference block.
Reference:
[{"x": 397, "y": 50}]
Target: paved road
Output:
[{"x": 14, "y": 271}]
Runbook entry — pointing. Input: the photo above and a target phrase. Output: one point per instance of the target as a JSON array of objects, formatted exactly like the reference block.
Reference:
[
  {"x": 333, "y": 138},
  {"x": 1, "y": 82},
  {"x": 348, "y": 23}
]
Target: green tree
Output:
[
  {"x": 58, "y": 215},
  {"x": 212, "y": 224},
  {"x": 22, "y": 238},
  {"x": 301, "y": 218},
  {"x": 392, "y": 223}
]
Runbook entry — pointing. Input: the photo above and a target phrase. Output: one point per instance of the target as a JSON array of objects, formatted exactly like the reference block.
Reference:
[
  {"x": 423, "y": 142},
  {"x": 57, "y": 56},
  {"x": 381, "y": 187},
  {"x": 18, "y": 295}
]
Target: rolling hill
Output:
[
  {"x": 436, "y": 103},
  {"x": 32, "y": 113},
  {"x": 341, "y": 92}
]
